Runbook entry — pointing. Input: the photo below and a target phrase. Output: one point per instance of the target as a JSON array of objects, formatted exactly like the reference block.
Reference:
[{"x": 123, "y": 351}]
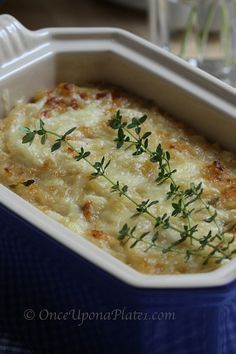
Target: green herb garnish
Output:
[
  {"x": 28, "y": 182},
  {"x": 130, "y": 136}
]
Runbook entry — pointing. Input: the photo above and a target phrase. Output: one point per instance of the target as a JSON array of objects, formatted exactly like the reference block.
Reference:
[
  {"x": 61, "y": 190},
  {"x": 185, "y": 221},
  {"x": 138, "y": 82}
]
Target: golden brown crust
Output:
[{"x": 64, "y": 189}]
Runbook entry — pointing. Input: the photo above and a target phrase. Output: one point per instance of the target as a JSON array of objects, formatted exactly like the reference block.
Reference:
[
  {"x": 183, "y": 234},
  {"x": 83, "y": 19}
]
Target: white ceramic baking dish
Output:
[{"x": 34, "y": 60}]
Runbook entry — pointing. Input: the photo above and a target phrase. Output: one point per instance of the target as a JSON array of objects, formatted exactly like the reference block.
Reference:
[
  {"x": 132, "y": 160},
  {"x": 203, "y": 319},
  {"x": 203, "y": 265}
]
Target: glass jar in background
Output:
[{"x": 202, "y": 32}]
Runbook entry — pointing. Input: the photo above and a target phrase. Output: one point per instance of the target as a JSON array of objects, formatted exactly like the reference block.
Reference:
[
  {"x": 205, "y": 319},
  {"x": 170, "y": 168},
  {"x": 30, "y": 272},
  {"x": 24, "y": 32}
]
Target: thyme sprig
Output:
[
  {"x": 141, "y": 143},
  {"x": 131, "y": 134},
  {"x": 99, "y": 167},
  {"x": 182, "y": 200},
  {"x": 143, "y": 207},
  {"x": 127, "y": 233}
]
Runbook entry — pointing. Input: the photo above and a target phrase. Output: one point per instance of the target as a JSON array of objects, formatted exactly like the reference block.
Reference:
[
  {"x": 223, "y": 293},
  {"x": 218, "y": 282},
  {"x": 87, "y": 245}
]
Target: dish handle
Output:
[{"x": 15, "y": 39}]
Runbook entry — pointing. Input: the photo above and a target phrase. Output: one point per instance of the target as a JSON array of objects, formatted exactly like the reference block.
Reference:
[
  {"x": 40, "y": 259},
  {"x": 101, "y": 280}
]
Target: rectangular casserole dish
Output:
[{"x": 45, "y": 267}]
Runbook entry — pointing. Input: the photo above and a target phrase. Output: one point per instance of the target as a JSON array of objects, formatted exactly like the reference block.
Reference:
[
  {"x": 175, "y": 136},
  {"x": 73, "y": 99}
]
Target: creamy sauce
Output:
[{"x": 64, "y": 190}]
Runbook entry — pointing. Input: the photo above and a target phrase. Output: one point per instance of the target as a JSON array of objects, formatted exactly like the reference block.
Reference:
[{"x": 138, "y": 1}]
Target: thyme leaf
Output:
[
  {"x": 131, "y": 134},
  {"x": 183, "y": 200}
]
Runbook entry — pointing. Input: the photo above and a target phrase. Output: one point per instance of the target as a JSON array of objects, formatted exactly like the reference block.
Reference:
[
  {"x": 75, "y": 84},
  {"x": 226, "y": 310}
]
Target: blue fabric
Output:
[
  {"x": 37, "y": 273},
  {"x": 11, "y": 346}
]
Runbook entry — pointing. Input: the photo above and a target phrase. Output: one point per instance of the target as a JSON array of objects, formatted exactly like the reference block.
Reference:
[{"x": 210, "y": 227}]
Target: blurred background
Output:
[
  {"x": 203, "y": 32},
  {"x": 54, "y": 13}
]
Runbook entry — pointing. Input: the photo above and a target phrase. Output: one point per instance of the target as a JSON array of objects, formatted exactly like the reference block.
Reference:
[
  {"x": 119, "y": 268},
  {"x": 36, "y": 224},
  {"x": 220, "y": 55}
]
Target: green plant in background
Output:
[{"x": 202, "y": 31}]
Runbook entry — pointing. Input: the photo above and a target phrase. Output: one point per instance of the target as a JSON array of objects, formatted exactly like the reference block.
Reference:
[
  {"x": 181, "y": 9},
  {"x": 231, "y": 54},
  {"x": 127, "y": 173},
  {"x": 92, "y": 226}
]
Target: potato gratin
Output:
[{"x": 63, "y": 189}]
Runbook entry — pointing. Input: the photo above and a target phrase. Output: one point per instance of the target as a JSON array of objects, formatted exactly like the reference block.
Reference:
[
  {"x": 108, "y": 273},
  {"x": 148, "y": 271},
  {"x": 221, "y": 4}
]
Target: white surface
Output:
[{"x": 73, "y": 54}]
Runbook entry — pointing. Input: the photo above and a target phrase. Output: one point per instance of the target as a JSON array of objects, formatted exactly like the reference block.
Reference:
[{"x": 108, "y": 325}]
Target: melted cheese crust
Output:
[{"x": 64, "y": 190}]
